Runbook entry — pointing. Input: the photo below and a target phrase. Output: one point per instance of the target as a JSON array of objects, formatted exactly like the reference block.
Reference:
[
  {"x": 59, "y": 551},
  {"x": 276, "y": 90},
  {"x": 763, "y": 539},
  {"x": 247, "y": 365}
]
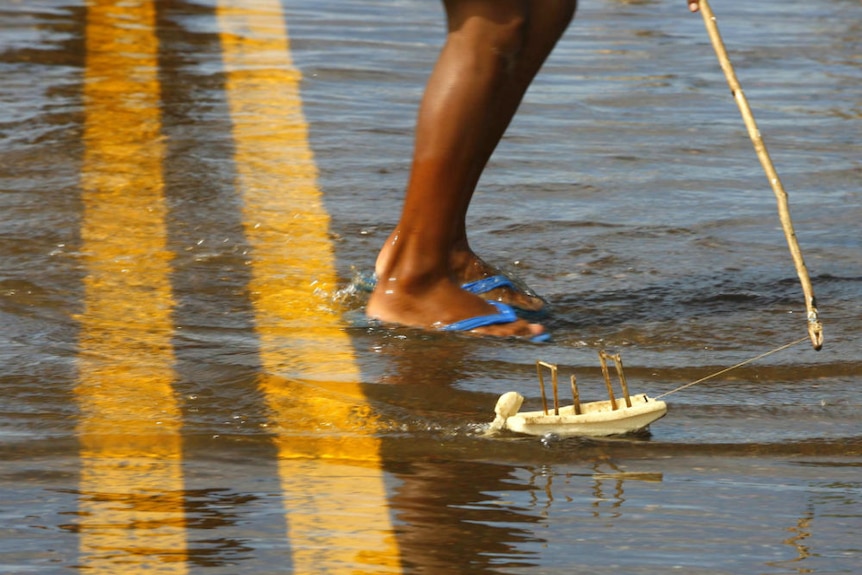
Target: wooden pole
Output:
[
  {"x": 576, "y": 396},
  {"x": 552, "y": 367},
  {"x": 815, "y": 328},
  {"x": 618, "y": 362},
  {"x": 604, "y": 363}
]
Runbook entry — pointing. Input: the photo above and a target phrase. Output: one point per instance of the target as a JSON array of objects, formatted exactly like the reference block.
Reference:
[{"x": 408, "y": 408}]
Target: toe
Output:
[
  {"x": 517, "y": 299},
  {"x": 520, "y": 328}
]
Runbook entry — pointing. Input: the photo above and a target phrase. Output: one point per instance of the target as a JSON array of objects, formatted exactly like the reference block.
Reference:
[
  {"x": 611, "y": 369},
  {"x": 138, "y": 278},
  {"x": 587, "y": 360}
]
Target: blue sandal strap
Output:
[
  {"x": 487, "y": 284},
  {"x": 505, "y": 315}
]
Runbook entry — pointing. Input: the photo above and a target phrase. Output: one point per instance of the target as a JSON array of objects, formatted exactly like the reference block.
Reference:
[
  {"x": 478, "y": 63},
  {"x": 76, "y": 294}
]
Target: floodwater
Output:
[{"x": 192, "y": 193}]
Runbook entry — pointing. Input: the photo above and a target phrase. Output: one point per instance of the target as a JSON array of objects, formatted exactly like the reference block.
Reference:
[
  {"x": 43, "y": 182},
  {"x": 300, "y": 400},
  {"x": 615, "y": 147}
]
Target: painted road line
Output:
[
  {"x": 131, "y": 487},
  {"x": 338, "y": 517}
]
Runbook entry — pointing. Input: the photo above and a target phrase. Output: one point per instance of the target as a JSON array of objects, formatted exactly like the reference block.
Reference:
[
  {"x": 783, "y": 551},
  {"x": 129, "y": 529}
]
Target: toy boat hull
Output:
[{"x": 597, "y": 419}]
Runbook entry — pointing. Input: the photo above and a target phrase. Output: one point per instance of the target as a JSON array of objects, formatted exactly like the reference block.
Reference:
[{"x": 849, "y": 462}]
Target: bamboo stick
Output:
[{"x": 815, "y": 328}]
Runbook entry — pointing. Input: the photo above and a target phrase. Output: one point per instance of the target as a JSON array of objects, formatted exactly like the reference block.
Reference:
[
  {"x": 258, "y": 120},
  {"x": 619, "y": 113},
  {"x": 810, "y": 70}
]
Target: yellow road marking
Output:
[
  {"x": 131, "y": 488},
  {"x": 338, "y": 516}
]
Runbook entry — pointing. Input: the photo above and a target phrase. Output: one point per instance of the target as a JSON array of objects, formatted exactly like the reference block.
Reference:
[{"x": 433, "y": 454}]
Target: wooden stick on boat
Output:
[
  {"x": 815, "y": 328},
  {"x": 576, "y": 397},
  {"x": 555, "y": 389},
  {"x": 618, "y": 362},
  {"x": 603, "y": 360},
  {"x": 539, "y": 365}
]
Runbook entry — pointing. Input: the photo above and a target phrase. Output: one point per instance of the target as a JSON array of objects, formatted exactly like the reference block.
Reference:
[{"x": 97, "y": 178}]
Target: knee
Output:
[
  {"x": 508, "y": 36},
  {"x": 497, "y": 28}
]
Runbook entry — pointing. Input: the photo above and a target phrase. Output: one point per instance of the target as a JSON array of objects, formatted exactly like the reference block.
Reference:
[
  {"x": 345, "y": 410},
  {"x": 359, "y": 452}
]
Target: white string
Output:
[{"x": 723, "y": 371}]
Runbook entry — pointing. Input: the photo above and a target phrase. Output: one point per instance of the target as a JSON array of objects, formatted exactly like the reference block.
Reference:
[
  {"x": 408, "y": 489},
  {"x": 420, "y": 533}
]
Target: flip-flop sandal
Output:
[
  {"x": 505, "y": 314},
  {"x": 489, "y": 283},
  {"x": 366, "y": 282}
]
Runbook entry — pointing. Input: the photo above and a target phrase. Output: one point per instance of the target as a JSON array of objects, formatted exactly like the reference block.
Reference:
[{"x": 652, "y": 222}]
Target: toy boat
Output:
[{"x": 591, "y": 419}]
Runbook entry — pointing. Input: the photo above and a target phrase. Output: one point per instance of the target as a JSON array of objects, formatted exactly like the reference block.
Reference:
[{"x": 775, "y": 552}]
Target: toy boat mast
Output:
[{"x": 576, "y": 396}]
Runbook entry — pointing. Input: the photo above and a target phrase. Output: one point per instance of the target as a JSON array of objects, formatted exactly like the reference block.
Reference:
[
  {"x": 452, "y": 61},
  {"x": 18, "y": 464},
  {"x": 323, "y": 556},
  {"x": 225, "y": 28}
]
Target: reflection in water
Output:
[
  {"x": 480, "y": 517},
  {"x": 131, "y": 493},
  {"x": 606, "y": 486},
  {"x": 450, "y": 516},
  {"x": 211, "y": 513},
  {"x": 329, "y": 461},
  {"x": 800, "y": 532},
  {"x": 457, "y": 517},
  {"x": 131, "y": 514}
]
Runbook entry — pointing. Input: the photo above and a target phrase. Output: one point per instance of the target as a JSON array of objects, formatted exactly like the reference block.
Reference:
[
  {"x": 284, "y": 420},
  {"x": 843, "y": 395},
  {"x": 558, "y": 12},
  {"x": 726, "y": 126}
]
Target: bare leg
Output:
[
  {"x": 546, "y": 23},
  {"x": 493, "y": 50}
]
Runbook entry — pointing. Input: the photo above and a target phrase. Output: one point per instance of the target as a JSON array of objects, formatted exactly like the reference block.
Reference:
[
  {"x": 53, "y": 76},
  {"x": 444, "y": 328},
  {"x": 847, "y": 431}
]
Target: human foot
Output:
[
  {"x": 486, "y": 281},
  {"x": 443, "y": 305},
  {"x": 478, "y": 277}
]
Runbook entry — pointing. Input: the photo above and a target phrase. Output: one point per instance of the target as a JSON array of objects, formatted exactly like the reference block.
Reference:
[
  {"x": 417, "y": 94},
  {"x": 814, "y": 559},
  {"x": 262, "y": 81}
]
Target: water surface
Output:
[{"x": 205, "y": 428}]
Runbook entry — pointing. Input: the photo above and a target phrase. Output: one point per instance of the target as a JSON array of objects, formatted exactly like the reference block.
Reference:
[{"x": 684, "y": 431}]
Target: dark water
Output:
[{"x": 182, "y": 432}]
